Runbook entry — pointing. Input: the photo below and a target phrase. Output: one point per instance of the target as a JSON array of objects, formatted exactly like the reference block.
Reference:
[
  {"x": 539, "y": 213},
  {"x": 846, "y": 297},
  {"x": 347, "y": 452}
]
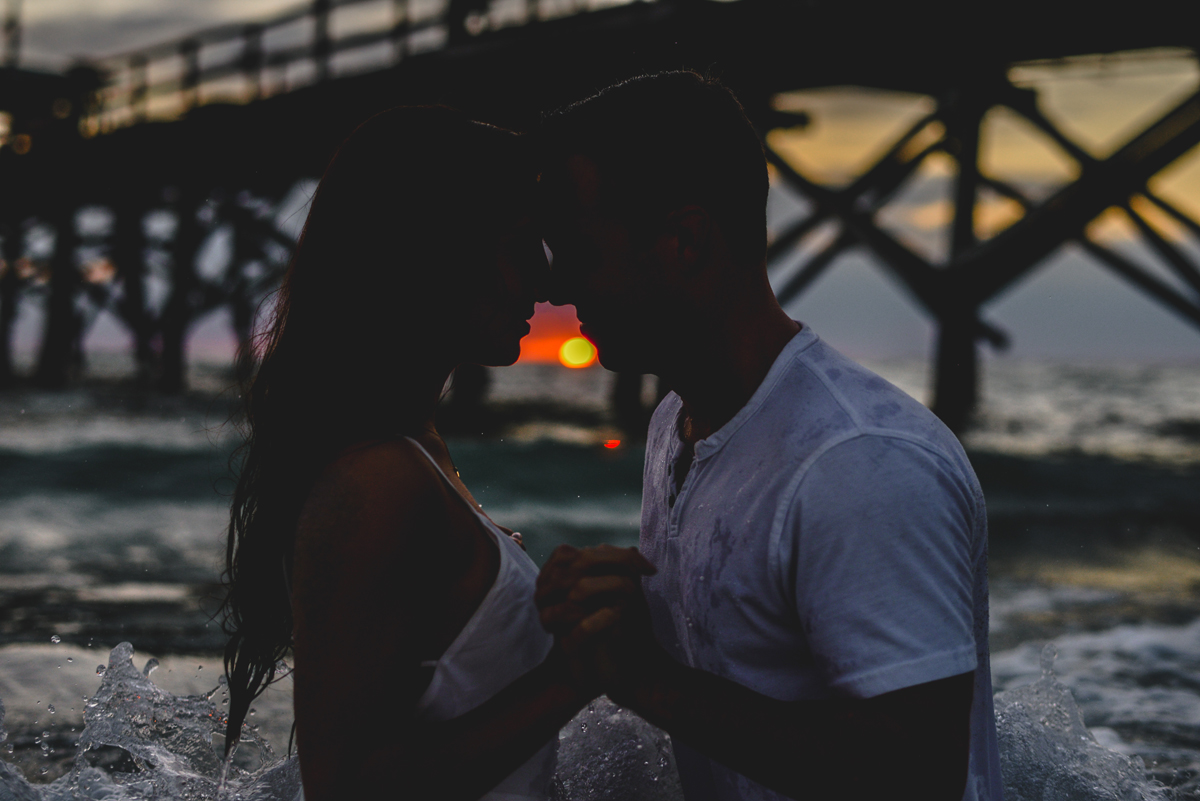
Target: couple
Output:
[{"x": 807, "y": 616}]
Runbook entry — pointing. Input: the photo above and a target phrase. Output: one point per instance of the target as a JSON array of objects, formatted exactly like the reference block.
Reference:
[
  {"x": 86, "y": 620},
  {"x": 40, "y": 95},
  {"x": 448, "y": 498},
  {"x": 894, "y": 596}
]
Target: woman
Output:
[{"x": 420, "y": 663}]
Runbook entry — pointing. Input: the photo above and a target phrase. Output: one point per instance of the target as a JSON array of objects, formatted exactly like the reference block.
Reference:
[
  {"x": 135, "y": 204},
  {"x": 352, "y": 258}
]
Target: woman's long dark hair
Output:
[{"x": 399, "y": 229}]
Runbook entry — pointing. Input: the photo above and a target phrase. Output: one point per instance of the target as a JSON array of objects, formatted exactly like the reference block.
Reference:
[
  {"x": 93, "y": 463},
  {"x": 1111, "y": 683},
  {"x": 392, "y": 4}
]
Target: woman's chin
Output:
[
  {"x": 500, "y": 357},
  {"x": 498, "y": 345}
]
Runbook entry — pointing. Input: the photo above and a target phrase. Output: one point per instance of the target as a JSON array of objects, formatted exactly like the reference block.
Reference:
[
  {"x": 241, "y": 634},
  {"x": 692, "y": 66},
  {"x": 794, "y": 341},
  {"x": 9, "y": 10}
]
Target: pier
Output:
[{"x": 217, "y": 127}]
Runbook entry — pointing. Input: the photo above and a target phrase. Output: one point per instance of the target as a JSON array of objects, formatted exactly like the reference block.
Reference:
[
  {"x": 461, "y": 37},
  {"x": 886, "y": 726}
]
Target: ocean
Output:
[{"x": 113, "y": 508}]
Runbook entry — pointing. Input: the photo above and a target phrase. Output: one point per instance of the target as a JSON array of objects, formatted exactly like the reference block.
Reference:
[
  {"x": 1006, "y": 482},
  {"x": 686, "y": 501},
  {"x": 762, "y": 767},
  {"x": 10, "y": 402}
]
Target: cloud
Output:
[{"x": 57, "y": 32}]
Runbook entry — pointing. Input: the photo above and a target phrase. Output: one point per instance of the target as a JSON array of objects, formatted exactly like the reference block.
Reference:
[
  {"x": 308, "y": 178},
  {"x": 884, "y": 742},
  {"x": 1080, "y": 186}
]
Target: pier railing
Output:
[{"x": 243, "y": 62}]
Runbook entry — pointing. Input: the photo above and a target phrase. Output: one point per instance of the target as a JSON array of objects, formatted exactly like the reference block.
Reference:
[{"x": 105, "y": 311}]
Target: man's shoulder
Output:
[
  {"x": 865, "y": 399},
  {"x": 823, "y": 397}
]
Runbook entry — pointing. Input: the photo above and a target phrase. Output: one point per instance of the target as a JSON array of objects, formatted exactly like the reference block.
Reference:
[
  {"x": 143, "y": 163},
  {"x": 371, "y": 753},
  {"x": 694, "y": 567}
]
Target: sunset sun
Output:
[{"x": 577, "y": 352}]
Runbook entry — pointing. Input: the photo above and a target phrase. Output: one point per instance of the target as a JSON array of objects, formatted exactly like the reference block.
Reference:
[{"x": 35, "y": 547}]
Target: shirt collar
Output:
[{"x": 803, "y": 339}]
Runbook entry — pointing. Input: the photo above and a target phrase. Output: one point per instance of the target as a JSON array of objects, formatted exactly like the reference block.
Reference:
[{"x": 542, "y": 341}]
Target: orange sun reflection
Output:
[
  {"x": 554, "y": 338},
  {"x": 577, "y": 352}
]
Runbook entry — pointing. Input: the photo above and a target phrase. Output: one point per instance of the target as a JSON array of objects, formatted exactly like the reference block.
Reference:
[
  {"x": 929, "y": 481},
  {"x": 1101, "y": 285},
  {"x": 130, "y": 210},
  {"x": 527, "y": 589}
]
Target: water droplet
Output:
[
  {"x": 54, "y": 638},
  {"x": 51, "y": 708},
  {"x": 70, "y": 659},
  {"x": 100, "y": 670},
  {"x": 150, "y": 667},
  {"x": 253, "y": 711},
  {"x": 9, "y": 748},
  {"x": 1049, "y": 654},
  {"x": 199, "y": 667}
]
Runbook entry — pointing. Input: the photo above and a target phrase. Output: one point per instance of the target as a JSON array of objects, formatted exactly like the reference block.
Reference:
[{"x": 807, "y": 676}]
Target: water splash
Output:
[
  {"x": 140, "y": 743},
  {"x": 1049, "y": 654},
  {"x": 1048, "y": 754},
  {"x": 608, "y": 752}
]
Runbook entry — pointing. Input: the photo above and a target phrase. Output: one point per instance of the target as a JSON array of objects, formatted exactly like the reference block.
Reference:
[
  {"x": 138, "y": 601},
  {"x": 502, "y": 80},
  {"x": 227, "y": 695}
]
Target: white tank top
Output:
[{"x": 501, "y": 642}]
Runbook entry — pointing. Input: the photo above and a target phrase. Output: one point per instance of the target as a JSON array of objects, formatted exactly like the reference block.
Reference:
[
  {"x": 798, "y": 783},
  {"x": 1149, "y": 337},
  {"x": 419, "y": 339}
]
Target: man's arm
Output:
[{"x": 916, "y": 737}]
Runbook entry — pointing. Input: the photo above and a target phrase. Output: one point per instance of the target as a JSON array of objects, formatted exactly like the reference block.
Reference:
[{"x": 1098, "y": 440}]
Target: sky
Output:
[
  {"x": 56, "y": 32},
  {"x": 1069, "y": 309}
]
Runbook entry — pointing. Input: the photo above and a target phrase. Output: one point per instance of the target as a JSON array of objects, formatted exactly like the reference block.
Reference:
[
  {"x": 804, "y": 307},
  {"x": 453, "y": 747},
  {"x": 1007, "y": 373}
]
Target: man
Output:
[{"x": 817, "y": 627}]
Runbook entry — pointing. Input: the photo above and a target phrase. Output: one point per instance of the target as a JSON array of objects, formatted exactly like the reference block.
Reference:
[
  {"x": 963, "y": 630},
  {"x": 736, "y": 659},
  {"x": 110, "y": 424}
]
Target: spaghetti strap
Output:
[
  {"x": 502, "y": 641},
  {"x": 488, "y": 522}
]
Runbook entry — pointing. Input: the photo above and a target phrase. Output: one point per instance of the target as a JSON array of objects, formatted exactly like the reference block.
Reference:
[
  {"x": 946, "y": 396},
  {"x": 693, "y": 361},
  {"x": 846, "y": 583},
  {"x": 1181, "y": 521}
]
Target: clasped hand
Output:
[{"x": 591, "y": 600}]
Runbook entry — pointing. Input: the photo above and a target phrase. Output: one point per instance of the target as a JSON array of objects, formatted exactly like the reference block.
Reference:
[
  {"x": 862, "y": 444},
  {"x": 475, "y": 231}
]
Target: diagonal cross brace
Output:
[
  {"x": 1168, "y": 252},
  {"x": 869, "y": 190},
  {"x": 985, "y": 270},
  {"x": 922, "y": 278},
  {"x": 1154, "y": 287},
  {"x": 915, "y": 272}
]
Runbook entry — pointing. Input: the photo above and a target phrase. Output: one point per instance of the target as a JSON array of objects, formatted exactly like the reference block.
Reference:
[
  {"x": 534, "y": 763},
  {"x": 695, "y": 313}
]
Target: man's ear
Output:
[{"x": 692, "y": 228}]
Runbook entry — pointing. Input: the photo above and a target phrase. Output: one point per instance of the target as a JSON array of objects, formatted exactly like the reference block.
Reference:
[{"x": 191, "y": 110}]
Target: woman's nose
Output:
[
  {"x": 557, "y": 290},
  {"x": 555, "y": 287},
  {"x": 545, "y": 272}
]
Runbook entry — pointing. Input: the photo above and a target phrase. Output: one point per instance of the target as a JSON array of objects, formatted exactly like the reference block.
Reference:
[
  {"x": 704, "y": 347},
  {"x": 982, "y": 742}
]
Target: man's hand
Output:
[
  {"x": 591, "y": 600},
  {"x": 576, "y": 583}
]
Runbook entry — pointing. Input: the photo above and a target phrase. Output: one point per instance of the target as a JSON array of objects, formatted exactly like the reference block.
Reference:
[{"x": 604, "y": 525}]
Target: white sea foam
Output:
[
  {"x": 155, "y": 745},
  {"x": 65, "y": 430},
  {"x": 1037, "y": 408},
  {"x": 1128, "y": 676},
  {"x": 59, "y": 532}
]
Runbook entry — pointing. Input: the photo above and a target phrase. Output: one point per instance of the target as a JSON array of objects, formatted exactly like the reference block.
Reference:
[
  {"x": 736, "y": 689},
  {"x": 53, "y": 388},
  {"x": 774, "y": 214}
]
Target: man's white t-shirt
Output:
[{"x": 829, "y": 540}]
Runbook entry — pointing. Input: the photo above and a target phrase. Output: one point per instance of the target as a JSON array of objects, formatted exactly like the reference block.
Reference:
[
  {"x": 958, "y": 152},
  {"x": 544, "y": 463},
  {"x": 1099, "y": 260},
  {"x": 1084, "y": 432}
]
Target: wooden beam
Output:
[
  {"x": 1169, "y": 253},
  {"x": 1152, "y": 286},
  {"x": 987, "y": 269},
  {"x": 814, "y": 268}
]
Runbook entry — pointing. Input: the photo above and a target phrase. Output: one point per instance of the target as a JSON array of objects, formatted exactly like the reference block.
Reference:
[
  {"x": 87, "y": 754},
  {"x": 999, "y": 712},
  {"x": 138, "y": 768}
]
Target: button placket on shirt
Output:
[{"x": 675, "y": 508}]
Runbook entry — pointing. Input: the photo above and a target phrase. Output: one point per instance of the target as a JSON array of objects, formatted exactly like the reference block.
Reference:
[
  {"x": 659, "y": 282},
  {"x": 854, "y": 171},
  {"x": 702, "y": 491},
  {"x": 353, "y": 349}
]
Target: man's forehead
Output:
[
  {"x": 585, "y": 179},
  {"x": 576, "y": 177}
]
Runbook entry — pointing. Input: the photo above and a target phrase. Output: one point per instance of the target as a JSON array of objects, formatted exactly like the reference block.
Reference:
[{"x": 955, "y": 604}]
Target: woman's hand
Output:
[{"x": 591, "y": 600}]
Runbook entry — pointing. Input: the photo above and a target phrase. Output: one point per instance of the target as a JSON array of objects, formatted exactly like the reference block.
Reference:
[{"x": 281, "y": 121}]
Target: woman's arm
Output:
[{"x": 373, "y": 568}]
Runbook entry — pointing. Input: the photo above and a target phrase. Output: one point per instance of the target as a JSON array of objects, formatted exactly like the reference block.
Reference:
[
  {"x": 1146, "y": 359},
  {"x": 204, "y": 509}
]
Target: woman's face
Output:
[{"x": 495, "y": 316}]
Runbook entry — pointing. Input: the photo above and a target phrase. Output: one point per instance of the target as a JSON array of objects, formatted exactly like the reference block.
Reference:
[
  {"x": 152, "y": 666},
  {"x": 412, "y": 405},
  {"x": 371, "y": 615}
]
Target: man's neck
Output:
[{"x": 729, "y": 368}]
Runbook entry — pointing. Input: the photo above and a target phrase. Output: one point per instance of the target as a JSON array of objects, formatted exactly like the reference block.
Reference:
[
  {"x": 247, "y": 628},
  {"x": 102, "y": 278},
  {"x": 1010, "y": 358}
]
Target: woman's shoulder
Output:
[
  {"x": 378, "y": 493},
  {"x": 399, "y": 456}
]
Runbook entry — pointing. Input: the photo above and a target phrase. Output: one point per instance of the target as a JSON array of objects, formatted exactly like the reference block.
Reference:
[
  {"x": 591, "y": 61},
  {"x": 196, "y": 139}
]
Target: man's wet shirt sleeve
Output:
[{"x": 880, "y": 561}]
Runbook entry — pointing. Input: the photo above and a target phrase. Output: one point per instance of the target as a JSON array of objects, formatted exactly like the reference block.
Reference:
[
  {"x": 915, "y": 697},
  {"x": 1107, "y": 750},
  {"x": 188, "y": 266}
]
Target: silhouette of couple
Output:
[{"x": 807, "y": 615}]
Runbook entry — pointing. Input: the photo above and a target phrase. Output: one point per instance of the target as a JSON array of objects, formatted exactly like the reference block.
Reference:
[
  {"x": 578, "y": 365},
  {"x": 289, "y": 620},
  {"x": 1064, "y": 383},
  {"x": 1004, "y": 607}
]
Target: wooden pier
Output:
[{"x": 219, "y": 126}]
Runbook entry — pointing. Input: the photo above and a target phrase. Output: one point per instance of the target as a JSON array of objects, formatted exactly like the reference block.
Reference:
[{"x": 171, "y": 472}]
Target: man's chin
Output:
[{"x": 621, "y": 360}]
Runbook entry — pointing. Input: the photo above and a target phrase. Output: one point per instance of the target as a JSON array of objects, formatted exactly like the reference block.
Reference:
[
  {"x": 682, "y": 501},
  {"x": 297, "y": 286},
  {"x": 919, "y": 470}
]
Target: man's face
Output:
[{"x": 611, "y": 276}]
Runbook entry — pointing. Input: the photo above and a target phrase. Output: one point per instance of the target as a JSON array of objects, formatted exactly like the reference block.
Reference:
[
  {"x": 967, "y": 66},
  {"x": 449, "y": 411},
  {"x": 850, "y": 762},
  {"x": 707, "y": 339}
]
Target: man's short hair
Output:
[{"x": 665, "y": 141}]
